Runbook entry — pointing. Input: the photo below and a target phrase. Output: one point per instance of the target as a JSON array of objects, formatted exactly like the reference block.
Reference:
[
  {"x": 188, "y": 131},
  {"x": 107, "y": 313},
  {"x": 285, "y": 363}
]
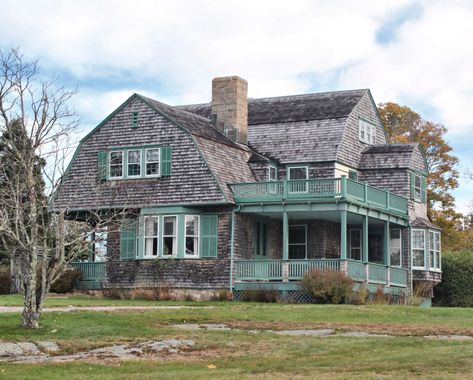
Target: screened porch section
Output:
[{"x": 288, "y": 245}]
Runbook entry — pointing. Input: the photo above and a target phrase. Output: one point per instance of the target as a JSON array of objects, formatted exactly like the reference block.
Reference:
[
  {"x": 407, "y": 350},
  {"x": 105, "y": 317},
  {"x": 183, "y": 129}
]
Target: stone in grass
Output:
[
  {"x": 10, "y": 349},
  {"x": 322, "y": 332},
  {"x": 48, "y": 346},
  {"x": 29, "y": 348}
]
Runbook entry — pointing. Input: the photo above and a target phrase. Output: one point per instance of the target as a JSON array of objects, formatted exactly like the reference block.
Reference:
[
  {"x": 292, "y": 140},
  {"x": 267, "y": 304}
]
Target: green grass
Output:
[{"x": 245, "y": 355}]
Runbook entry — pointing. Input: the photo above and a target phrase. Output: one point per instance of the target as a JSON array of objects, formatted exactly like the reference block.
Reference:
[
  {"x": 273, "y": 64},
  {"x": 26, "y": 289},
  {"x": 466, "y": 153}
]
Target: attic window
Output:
[
  {"x": 134, "y": 122},
  {"x": 366, "y": 132}
]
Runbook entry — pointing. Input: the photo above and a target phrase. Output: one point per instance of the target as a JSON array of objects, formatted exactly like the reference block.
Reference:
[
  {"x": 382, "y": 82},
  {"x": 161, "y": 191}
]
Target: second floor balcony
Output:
[{"x": 323, "y": 189}]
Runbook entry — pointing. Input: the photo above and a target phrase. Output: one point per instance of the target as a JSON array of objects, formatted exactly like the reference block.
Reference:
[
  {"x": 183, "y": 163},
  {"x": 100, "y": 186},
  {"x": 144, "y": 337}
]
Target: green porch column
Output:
[
  {"x": 343, "y": 234},
  {"x": 365, "y": 239},
  {"x": 387, "y": 256},
  {"x": 285, "y": 236}
]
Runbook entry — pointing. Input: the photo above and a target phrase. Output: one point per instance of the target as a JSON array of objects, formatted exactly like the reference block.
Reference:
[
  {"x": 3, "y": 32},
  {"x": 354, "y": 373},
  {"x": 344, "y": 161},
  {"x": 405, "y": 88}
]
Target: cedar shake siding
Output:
[{"x": 191, "y": 180}]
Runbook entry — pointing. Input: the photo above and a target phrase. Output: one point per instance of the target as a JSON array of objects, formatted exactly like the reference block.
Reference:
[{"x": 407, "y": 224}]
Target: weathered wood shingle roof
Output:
[
  {"x": 296, "y": 128},
  {"x": 393, "y": 156}
]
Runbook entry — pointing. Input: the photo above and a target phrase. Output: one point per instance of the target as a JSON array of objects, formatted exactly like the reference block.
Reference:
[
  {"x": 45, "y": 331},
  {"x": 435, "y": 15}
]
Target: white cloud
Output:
[{"x": 279, "y": 47}]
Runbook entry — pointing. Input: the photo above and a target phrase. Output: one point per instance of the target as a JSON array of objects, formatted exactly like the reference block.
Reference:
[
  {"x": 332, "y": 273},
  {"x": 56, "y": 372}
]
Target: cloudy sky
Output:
[{"x": 416, "y": 53}]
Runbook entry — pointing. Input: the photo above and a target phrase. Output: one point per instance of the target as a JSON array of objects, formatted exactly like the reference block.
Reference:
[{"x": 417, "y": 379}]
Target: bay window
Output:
[
  {"x": 169, "y": 236},
  {"x": 151, "y": 236},
  {"x": 434, "y": 251},
  {"x": 418, "y": 249}
]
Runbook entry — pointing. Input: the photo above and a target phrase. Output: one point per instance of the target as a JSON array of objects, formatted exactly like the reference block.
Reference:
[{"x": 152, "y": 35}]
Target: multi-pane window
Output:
[
  {"x": 418, "y": 248},
  {"x": 169, "y": 236},
  {"x": 366, "y": 132},
  {"x": 152, "y": 162},
  {"x": 272, "y": 173},
  {"x": 116, "y": 164},
  {"x": 151, "y": 236},
  {"x": 434, "y": 251},
  {"x": 355, "y": 244},
  {"x": 395, "y": 247},
  {"x": 192, "y": 235},
  {"x": 134, "y": 163},
  {"x": 417, "y": 188},
  {"x": 297, "y": 242},
  {"x": 296, "y": 173}
]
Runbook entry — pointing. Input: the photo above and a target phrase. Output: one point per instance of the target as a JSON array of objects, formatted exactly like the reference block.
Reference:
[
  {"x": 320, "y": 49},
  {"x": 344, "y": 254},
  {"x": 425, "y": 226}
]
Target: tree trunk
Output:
[{"x": 30, "y": 318}]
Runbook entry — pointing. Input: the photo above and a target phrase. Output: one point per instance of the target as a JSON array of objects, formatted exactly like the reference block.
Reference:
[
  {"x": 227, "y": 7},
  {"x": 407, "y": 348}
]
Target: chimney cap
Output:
[{"x": 229, "y": 78}]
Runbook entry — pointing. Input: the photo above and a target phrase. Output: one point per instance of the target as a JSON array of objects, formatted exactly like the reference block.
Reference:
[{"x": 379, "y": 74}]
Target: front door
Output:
[{"x": 298, "y": 242}]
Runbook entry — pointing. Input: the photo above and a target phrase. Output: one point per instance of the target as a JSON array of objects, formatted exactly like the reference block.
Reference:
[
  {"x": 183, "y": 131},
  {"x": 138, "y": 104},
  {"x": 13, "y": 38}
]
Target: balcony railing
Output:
[
  {"x": 282, "y": 270},
  {"x": 323, "y": 188}
]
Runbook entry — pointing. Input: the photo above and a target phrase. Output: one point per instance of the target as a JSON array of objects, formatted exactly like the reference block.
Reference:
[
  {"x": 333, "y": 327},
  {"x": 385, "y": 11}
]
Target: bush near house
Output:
[
  {"x": 65, "y": 283},
  {"x": 456, "y": 288},
  {"x": 328, "y": 286}
]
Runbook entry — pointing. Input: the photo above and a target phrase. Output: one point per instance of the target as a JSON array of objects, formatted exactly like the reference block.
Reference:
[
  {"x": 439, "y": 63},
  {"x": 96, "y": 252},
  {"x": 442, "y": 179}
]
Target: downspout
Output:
[
  {"x": 232, "y": 248},
  {"x": 411, "y": 259}
]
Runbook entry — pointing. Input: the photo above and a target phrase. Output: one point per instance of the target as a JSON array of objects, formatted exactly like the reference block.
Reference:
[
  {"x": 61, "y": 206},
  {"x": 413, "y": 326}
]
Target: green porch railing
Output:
[
  {"x": 398, "y": 276},
  {"x": 297, "y": 268},
  {"x": 377, "y": 274},
  {"x": 93, "y": 274},
  {"x": 281, "y": 270},
  {"x": 356, "y": 270},
  {"x": 322, "y": 188}
]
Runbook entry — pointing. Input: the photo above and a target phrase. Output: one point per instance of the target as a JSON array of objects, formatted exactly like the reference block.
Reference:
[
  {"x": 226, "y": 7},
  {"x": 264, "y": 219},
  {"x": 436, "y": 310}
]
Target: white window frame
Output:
[
  {"x": 151, "y": 162},
  {"x": 275, "y": 173},
  {"x": 353, "y": 247},
  {"x": 418, "y": 249},
  {"x": 366, "y": 132},
  {"x": 140, "y": 162},
  {"x": 391, "y": 246},
  {"x": 153, "y": 256},
  {"x": 176, "y": 235},
  {"x": 304, "y": 244},
  {"x": 288, "y": 176},
  {"x": 196, "y": 255},
  {"x": 110, "y": 163},
  {"x": 433, "y": 249}
]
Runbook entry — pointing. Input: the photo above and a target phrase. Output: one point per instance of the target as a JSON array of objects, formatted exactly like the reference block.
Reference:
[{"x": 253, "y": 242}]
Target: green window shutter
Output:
[
  {"x": 166, "y": 160},
  {"x": 413, "y": 191},
  {"x": 128, "y": 239},
  {"x": 208, "y": 235},
  {"x": 423, "y": 186},
  {"x": 102, "y": 165}
]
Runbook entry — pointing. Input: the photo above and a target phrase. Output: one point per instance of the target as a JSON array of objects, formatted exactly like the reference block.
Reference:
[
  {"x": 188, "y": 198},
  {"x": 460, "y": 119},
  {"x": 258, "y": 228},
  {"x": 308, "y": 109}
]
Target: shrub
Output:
[
  {"x": 66, "y": 281},
  {"x": 260, "y": 295},
  {"x": 5, "y": 279},
  {"x": 360, "y": 296},
  {"x": 164, "y": 292},
  {"x": 145, "y": 294},
  {"x": 221, "y": 295},
  {"x": 327, "y": 286},
  {"x": 456, "y": 288},
  {"x": 115, "y": 293}
]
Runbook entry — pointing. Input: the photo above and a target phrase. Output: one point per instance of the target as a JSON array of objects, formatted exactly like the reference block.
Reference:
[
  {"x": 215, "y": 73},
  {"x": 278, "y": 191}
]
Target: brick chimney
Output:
[{"x": 230, "y": 107}]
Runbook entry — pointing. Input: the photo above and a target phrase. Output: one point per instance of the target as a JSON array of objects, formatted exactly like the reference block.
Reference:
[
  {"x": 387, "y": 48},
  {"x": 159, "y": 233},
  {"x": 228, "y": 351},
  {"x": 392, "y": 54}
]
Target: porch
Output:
[{"x": 294, "y": 270}]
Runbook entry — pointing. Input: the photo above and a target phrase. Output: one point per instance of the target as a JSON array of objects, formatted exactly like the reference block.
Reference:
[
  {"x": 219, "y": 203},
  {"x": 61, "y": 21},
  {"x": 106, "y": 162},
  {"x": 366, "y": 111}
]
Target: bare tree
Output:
[{"x": 37, "y": 126}]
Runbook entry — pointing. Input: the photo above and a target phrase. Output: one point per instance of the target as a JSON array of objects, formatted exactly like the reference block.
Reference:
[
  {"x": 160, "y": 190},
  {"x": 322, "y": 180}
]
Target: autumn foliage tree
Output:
[{"x": 404, "y": 126}]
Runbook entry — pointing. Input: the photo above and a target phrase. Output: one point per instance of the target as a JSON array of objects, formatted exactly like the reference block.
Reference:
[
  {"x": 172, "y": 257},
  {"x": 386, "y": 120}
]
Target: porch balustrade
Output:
[
  {"x": 286, "y": 270},
  {"x": 313, "y": 189},
  {"x": 93, "y": 274}
]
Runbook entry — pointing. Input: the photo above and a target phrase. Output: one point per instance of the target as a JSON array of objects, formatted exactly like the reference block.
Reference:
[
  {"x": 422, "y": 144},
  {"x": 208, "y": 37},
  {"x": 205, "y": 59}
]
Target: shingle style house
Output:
[{"x": 241, "y": 193}]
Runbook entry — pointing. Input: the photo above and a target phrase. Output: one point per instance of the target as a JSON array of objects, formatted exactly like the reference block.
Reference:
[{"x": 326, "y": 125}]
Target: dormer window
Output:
[
  {"x": 417, "y": 188},
  {"x": 366, "y": 132}
]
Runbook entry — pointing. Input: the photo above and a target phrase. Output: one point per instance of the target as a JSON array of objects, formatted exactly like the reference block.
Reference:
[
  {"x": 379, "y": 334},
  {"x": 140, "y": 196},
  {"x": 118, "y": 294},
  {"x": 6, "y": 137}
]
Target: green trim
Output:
[
  {"x": 134, "y": 120},
  {"x": 365, "y": 232},
  {"x": 285, "y": 235},
  {"x": 343, "y": 234},
  {"x": 180, "y": 235},
  {"x": 169, "y": 210},
  {"x": 386, "y": 245}
]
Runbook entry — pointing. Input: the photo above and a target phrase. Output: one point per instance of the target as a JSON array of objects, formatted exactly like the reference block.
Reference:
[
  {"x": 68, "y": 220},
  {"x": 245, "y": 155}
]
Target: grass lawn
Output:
[{"x": 239, "y": 354}]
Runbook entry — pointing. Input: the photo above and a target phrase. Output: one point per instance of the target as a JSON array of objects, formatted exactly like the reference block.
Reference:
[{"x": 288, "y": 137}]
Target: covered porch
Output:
[{"x": 291, "y": 239}]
